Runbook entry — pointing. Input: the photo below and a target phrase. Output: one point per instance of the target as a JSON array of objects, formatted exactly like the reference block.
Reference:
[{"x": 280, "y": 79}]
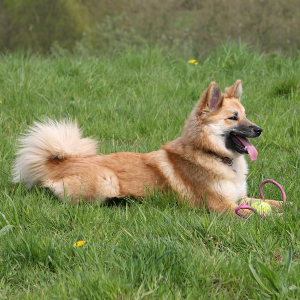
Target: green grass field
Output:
[{"x": 157, "y": 249}]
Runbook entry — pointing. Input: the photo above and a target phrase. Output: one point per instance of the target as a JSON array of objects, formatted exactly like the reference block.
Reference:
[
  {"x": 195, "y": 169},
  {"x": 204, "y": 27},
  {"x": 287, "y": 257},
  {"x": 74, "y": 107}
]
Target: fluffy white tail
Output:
[{"x": 43, "y": 141}]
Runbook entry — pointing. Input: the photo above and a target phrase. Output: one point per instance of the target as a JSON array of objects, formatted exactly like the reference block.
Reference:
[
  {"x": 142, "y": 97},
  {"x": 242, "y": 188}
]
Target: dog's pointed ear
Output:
[
  {"x": 235, "y": 91},
  {"x": 214, "y": 97}
]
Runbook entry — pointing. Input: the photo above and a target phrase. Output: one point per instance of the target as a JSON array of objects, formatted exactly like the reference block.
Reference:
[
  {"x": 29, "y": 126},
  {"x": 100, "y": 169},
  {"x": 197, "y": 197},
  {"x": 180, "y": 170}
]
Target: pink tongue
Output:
[{"x": 250, "y": 148}]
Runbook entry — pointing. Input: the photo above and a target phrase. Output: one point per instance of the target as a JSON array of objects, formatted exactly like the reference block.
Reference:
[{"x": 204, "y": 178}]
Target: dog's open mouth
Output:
[{"x": 243, "y": 146}]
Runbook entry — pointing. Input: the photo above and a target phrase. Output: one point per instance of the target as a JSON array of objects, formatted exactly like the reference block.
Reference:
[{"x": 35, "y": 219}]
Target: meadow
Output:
[{"x": 158, "y": 248}]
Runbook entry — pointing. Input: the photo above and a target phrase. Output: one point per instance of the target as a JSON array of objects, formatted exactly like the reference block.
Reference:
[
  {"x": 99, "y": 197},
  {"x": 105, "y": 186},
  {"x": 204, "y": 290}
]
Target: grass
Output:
[{"x": 157, "y": 249}]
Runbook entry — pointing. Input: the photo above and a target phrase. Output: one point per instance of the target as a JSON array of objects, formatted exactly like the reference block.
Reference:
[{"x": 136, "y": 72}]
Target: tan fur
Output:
[{"x": 54, "y": 155}]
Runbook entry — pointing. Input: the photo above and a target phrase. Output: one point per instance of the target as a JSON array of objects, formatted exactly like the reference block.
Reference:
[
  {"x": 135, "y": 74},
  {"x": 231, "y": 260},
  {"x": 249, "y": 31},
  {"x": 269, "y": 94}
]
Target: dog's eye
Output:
[{"x": 234, "y": 118}]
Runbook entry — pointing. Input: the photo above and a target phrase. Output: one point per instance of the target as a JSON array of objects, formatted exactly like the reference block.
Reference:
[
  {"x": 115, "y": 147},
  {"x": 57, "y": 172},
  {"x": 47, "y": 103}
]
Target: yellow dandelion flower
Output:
[
  {"x": 79, "y": 243},
  {"x": 0, "y": 101},
  {"x": 192, "y": 61},
  {"x": 196, "y": 63}
]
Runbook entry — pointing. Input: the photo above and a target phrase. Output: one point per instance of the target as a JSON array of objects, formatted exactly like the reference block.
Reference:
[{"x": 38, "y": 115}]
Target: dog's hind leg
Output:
[{"x": 96, "y": 186}]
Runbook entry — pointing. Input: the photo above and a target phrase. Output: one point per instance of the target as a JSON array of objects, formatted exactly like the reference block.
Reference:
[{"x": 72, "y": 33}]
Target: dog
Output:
[{"x": 204, "y": 166}]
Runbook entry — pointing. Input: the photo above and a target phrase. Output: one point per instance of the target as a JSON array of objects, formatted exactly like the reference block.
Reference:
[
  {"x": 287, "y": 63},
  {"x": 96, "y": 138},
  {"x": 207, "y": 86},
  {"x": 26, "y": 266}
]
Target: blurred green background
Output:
[{"x": 190, "y": 26}]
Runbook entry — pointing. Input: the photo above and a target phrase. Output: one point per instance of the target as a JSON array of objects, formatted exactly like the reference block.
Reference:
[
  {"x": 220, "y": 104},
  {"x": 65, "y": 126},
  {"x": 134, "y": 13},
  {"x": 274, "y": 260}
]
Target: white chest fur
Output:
[
  {"x": 232, "y": 186},
  {"x": 240, "y": 168}
]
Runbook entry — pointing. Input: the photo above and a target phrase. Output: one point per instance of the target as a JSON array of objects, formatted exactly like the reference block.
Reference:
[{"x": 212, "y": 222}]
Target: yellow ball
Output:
[{"x": 262, "y": 207}]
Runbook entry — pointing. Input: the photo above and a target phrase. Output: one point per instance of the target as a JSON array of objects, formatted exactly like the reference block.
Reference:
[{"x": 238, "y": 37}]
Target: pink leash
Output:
[{"x": 244, "y": 206}]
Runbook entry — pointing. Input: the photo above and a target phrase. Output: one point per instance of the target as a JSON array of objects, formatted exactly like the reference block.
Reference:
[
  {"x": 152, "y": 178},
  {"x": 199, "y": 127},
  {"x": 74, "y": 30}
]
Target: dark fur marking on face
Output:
[
  {"x": 242, "y": 130},
  {"x": 250, "y": 131}
]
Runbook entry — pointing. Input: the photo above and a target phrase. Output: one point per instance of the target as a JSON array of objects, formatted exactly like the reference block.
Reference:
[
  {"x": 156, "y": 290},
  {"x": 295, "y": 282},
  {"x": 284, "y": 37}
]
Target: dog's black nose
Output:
[{"x": 257, "y": 130}]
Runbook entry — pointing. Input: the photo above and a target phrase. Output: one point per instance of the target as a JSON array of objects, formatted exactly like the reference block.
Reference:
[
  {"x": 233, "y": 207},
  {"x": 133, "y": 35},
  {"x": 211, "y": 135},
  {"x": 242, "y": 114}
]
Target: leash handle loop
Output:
[
  {"x": 277, "y": 184},
  {"x": 244, "y": 206}
]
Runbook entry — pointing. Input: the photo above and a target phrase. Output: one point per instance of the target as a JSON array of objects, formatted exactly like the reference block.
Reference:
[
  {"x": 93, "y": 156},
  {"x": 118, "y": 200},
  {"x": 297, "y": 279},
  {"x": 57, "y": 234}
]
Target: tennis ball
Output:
[{"x": 262, "y": 207}]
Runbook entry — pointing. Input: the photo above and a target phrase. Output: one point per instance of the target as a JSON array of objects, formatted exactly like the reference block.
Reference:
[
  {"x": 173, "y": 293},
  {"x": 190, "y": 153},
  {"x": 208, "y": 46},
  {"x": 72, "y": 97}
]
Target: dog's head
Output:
[{"x": 219, "y": 123}]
